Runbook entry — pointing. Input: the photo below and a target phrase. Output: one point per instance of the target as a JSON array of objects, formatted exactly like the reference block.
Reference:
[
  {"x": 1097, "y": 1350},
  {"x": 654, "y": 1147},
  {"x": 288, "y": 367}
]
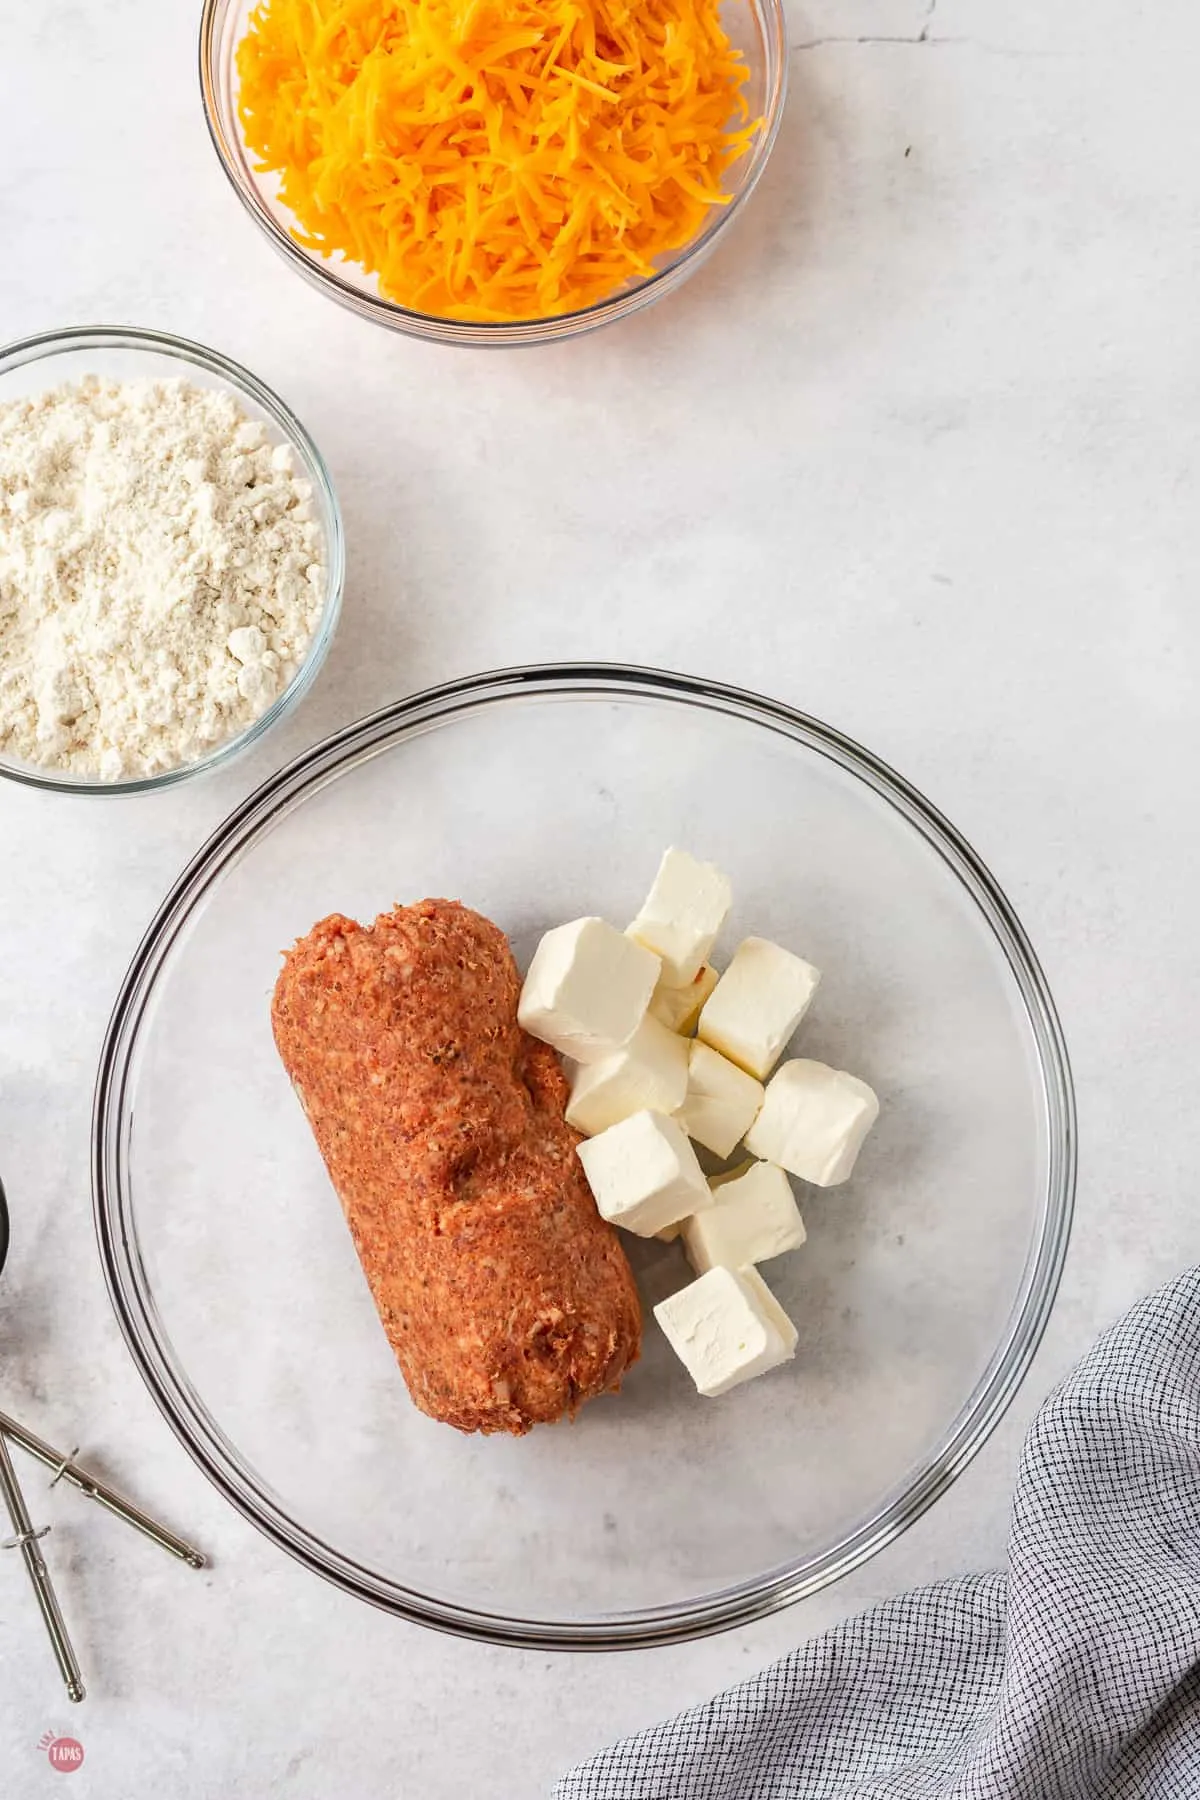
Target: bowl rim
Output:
[
  {"x": 495, "y": 334},
  {"x": 43, "y": 345},
  {"x": 134, "y": 1305}
]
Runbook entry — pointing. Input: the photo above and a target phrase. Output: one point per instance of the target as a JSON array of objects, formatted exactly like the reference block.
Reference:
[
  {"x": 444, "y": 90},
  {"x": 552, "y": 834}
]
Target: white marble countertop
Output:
[{"x": 918, "y": 452}]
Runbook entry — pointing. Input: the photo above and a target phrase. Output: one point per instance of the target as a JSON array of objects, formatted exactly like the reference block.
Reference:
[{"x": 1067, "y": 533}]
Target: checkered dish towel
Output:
[{"x": 1075, "y": 1675}]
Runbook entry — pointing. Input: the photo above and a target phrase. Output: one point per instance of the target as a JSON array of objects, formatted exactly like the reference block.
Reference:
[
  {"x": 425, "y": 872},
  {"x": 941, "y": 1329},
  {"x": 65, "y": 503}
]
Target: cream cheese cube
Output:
[
  {"x": 757, "y": 1004},
  {"x": 644, "y": 1174},
  {"x": 587, "y": 989},
  {"x": 722, "y": 1101},
  {"x": 682, "y": 914},
  {"x": 754, "y": 1219},
  {"x": 726, "y": 1328},
  {"x": 649, "y": 1074},
  {"x": 678, "y": 1008},
  {"x": 813, "y": 1121}
]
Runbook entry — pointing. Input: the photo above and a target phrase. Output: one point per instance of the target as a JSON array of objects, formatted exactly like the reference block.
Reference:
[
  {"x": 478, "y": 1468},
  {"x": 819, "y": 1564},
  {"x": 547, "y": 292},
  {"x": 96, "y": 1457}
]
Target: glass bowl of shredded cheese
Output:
[
  {"x": 494, "y": 172},
  {"x": 171, "y": 560}
]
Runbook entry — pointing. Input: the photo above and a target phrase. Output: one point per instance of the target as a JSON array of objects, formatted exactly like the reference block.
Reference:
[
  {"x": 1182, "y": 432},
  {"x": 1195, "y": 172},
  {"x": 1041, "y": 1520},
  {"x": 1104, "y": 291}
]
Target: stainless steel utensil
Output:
[
  {"x": 26, "y": 1538},
  {"x": 92, "y": 1488}
]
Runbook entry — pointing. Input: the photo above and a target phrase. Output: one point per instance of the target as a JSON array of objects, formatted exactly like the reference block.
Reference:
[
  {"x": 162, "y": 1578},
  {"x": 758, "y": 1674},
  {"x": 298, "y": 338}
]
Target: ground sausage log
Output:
[{"x": 506, "y": 1298}]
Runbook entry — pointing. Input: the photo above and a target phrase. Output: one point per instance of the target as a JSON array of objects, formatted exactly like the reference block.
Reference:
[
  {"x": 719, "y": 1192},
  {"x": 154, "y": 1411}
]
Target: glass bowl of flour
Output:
[{"x": 171, "y": 560}]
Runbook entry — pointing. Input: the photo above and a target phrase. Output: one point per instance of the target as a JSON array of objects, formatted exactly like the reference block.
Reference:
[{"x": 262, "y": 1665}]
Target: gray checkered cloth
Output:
[{"x": 1075, "y": 1675}]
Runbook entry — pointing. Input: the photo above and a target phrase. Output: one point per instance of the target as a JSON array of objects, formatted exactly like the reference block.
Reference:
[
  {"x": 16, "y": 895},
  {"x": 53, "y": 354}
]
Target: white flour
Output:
[{"x": 161, "y": 575}]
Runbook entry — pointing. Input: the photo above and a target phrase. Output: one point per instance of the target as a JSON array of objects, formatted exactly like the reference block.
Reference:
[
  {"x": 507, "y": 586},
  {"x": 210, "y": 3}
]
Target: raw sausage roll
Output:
[{"x": 507, "y": 1299}]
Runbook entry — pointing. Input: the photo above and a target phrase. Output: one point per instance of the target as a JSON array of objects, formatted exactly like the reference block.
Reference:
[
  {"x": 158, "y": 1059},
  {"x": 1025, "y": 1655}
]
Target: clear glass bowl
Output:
[
  {"x": 536, "y": 795},
  {"x": 127, "y": 353},
  {"x": 755, "y": 27}
]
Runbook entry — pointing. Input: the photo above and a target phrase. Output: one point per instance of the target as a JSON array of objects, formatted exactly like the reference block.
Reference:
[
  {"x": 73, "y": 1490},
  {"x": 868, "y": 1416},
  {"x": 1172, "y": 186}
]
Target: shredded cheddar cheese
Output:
[{"x": 494, "y": 159}]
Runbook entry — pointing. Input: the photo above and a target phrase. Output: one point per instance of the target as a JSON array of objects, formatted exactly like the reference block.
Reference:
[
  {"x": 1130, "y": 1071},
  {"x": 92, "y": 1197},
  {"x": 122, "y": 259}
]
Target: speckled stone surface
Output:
[{"x": 917, "y": 451}]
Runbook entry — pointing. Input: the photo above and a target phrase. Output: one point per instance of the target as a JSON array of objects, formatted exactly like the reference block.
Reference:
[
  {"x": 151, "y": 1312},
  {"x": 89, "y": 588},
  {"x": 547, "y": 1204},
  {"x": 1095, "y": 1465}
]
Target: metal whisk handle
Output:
[
  {"x": 68, "y": 1470},
  {"x": 25, "y": 1539}
]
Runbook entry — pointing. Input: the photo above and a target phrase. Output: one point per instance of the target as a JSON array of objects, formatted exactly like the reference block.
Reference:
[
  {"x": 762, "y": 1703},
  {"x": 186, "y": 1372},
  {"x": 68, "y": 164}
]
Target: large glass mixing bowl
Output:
[{"x": 536, "y": 795}]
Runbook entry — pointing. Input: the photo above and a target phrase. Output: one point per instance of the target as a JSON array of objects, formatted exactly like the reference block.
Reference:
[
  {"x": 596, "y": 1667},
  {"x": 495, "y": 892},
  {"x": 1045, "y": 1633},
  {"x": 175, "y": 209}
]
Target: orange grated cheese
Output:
[{"x": 494, "y": 160}]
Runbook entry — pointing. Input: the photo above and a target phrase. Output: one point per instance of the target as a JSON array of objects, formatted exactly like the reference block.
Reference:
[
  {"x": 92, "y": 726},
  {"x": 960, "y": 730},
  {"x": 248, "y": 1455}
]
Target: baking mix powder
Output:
[{"x": 161, "y": 575}]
